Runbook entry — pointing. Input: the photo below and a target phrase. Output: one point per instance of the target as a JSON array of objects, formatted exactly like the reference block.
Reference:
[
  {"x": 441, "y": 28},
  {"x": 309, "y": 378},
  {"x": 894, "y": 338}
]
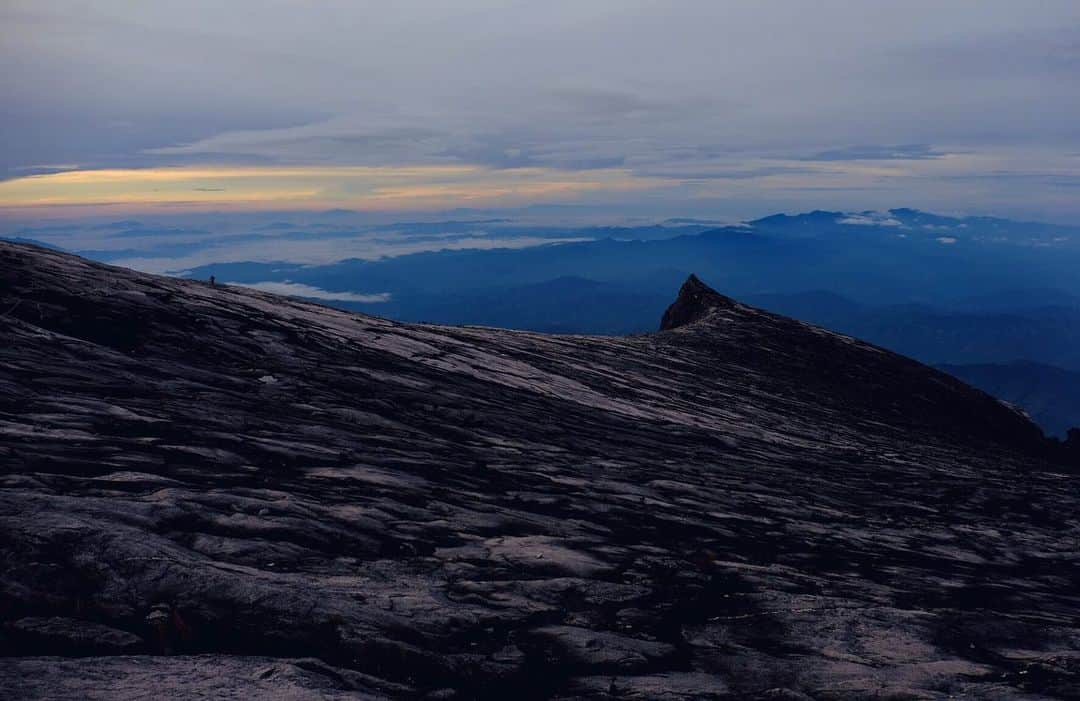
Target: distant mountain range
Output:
[
  {"x": 896, "y": 257},
  {"x": 1049, "y": 335}
]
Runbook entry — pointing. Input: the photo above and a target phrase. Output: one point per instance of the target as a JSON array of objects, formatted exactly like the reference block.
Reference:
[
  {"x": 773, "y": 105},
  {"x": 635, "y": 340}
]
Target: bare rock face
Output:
[
  {"x": 68, "y": 636},
  {"x": 209, "y": 491},
  {"x": 695, "y": 301}
]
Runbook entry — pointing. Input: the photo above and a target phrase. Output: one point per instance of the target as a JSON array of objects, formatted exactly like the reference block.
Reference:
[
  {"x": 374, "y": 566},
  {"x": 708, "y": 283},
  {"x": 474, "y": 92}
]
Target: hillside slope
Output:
[
  {"x": 209, "y": 490},
  {"x": 1050, "y": 395}
]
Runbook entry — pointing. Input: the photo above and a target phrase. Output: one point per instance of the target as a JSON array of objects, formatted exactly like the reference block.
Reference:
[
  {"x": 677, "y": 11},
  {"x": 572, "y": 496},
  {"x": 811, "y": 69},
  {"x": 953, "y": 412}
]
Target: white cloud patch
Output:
[
  {"x": 870, "y": 219},
  {"x": 296, "y": 289},
  {"x": 946, "y": 240}
]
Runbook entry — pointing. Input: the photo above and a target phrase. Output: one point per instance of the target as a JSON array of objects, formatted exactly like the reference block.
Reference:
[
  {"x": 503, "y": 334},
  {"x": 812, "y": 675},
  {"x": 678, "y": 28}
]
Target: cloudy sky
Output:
[{"x": 675, "y": 107}]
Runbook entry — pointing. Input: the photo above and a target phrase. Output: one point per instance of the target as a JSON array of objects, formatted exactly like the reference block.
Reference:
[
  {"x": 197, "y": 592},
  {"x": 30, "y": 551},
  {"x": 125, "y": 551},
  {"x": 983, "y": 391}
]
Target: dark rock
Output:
[
  {"x": 695, "y": 301},
  {"x": 67, "y": 636},
  {"x": 743, "y": 505},
  {"x": 590, "y": 651},
  {"x": 120, "y": 678},
  {"x": 667, "y": 686}
]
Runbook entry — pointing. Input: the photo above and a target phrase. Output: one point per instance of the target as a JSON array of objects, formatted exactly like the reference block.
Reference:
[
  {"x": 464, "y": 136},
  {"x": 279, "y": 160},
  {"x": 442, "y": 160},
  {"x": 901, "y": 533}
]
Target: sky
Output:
[{"x": 627, "y": 108}]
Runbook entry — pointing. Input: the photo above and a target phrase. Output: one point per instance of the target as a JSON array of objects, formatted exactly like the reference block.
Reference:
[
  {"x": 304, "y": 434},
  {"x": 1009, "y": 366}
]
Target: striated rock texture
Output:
[{"x": 209, "y": 491}]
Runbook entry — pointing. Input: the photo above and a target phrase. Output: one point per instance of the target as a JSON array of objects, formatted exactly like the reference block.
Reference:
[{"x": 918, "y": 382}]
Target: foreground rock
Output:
[
  {"x": 202, "y": 676},
  {"x": 215, "y": 491}
]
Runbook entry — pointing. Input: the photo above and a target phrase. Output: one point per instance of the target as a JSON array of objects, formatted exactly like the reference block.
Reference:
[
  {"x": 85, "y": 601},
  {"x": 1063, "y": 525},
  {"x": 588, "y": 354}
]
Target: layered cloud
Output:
[
  {"x": 319, "y": 186},
  {"x": 675, "y": 106}
]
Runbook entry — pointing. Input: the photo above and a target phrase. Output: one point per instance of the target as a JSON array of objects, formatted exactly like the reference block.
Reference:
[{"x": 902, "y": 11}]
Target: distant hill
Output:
[
  {"x": 895, "y": 257},
  {"x": 1050, "y": 395},
  {"x": 1048, "y": 335},
  {"x": 562, "y": 305}
]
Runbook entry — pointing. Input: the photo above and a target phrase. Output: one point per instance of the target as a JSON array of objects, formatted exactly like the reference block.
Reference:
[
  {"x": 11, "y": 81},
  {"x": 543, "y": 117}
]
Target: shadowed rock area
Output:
[
  {"x": 696, "y": 300},
  {"x": 211, "y": 491}
]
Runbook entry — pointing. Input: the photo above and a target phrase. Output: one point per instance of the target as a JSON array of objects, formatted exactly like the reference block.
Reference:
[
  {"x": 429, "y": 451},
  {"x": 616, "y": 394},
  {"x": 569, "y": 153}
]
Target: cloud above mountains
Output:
[
  {"x": 702, "y": 104},
  {"x": 296, "y": 289}
]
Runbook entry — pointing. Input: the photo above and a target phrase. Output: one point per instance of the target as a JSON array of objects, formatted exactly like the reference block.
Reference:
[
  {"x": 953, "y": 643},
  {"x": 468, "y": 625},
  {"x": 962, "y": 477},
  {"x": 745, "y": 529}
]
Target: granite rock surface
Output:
[{"x": 208, "y": 490}]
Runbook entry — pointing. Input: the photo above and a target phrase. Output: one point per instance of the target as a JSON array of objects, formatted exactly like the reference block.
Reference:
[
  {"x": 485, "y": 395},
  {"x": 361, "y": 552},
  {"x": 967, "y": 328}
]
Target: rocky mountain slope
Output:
[{"x": 213, "y": 491}]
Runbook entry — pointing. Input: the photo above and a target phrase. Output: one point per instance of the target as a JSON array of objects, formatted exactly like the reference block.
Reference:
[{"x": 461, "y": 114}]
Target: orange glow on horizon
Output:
[{"x": 303, "y": 187}]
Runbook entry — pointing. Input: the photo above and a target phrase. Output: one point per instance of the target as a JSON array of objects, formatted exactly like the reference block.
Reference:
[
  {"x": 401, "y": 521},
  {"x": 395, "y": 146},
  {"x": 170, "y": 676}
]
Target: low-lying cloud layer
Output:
[
  {"x": 296, "y": 289},
  {"x": 177, "y": 242}
]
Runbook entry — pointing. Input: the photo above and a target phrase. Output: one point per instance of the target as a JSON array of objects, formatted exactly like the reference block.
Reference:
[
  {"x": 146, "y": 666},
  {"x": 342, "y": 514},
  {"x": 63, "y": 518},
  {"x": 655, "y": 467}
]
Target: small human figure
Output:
[
  {"x": 212, "y": 281},
  {"x": 170, "y": 629},
  {"x": 158, "y": 618}
]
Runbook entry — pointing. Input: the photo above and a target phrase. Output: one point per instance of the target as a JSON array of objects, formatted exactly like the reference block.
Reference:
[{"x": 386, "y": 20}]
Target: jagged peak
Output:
[{"x": 695, "y": 300}]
